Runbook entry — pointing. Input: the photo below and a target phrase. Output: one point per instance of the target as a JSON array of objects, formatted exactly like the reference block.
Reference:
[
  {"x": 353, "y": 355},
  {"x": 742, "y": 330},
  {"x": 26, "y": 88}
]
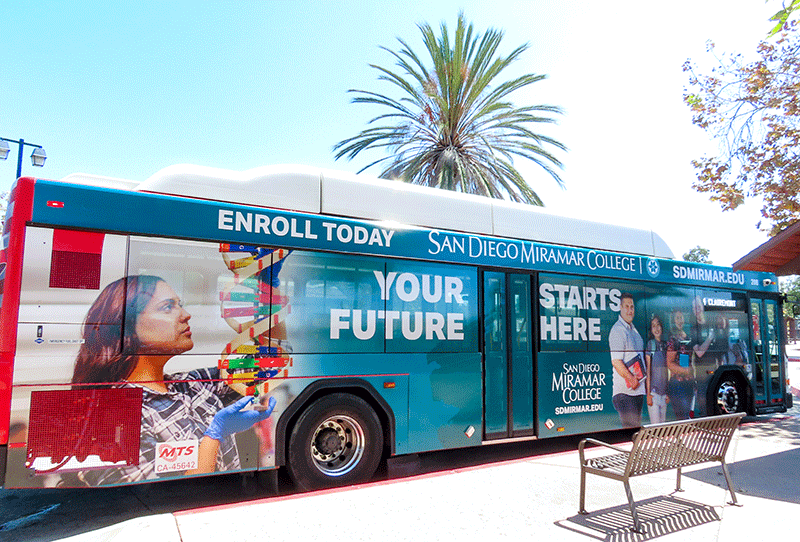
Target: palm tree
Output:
[{"x": 454, "y": 127}]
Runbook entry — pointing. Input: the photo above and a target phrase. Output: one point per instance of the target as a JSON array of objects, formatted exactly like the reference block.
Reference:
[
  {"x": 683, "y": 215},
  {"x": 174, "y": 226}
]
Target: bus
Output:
[{"x": 209, "y": 321}]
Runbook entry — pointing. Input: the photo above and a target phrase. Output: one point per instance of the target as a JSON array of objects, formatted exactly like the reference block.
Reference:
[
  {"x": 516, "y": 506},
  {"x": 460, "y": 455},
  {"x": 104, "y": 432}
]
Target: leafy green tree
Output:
[
  {"x": 781, "y": 18},
  {"x": 698, "y": 254},
  {"x": 790, "y": 287},
  {"x": 752, "y": 108},
  {"x": 454, "y": 126}
]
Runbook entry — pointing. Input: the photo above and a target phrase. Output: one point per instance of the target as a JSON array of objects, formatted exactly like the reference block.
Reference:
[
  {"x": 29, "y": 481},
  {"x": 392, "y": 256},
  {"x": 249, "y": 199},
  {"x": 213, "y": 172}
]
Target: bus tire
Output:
[
  {"x": 336, "y": 441},
  {"x": 729, "y": 395}
]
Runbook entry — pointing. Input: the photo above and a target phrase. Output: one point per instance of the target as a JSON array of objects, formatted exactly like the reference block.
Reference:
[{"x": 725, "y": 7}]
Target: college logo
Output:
[{"x": 653, "y": 268}]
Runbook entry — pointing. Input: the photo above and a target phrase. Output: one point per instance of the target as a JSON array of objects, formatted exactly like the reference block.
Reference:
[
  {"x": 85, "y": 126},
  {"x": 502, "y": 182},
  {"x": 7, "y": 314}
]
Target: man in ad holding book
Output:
[{"x": 627, "y": 359}]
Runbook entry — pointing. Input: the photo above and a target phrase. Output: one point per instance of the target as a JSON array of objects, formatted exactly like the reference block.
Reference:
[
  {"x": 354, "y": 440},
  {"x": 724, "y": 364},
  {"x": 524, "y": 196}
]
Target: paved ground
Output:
[{"x": 524, "y": 499}]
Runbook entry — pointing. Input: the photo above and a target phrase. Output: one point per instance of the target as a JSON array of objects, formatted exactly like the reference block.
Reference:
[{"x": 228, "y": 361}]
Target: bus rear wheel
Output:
[
  {"x": 729, "y": 396},
  {"x": 336, "y": 441}
]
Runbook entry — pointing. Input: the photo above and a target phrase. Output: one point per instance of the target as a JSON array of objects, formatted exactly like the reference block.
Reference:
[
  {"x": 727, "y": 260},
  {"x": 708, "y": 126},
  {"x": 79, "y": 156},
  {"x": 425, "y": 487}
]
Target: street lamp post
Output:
[{"x": 38, "y": 155}]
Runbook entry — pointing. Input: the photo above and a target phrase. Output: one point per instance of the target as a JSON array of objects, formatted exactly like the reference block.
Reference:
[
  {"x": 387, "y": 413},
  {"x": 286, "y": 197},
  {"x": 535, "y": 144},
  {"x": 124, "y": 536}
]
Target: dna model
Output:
[{"x": 253, "y": 307}]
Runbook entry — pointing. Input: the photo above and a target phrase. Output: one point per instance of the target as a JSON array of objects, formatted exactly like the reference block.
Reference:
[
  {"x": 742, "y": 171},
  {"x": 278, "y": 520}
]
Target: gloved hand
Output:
[{"x": 232, "y": 419}]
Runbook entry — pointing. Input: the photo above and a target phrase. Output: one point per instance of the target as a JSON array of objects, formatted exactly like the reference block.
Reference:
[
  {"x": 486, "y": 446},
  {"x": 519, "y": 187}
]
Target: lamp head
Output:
[{"x": 38, "y": 157}]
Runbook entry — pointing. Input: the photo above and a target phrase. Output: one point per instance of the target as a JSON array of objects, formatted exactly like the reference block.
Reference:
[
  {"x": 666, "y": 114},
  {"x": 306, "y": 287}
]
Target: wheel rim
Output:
[
  {"x": 728, "y": 397},
  {"x": 337, "y": 445}
]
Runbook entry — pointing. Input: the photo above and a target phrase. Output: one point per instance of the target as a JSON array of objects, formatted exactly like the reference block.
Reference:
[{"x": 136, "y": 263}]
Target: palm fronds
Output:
[{"x": 454, "y": 126}]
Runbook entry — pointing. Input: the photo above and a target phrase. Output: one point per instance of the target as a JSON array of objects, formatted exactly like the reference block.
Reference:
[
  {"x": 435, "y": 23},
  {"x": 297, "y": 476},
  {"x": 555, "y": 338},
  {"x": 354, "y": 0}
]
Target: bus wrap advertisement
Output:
[
  {"x": 155, "y": 357},
  {"x": 627, "y": 354}
]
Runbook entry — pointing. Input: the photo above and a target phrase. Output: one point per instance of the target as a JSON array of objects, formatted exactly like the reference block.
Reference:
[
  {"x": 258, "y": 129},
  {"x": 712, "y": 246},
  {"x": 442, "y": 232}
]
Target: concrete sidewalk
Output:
[
  {"x": 526, "y": 499},
  {"x": 793, "y": 353}
]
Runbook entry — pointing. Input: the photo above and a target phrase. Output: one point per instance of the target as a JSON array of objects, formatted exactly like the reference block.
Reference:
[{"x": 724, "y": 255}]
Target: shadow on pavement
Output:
[
  {"x": 659, "y": 516},
  {"x": 769, "y": 477},
  {"x": 785, "y": 427}
]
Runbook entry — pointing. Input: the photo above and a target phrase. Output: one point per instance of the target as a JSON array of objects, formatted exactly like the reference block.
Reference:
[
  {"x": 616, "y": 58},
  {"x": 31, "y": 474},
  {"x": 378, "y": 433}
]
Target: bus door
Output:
[
  {"x": 767, "y": 360},
  {"x": 508, "y": 356}
]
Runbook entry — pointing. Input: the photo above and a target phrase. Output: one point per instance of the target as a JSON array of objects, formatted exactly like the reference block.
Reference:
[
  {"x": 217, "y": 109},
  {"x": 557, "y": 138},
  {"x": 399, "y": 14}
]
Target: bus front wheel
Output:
[
  {"x": 729, "y": 396},
  {"x": 336, "y": 441}
]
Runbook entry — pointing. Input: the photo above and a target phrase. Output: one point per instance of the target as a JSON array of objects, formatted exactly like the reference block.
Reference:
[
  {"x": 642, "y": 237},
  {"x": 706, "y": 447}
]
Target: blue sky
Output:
[{"x": 124, "y": 89}]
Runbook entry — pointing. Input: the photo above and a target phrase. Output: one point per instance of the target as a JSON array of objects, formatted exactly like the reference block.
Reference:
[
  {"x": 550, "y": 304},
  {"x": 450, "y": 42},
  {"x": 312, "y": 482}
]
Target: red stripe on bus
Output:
[{"x": 22, "y": 196}]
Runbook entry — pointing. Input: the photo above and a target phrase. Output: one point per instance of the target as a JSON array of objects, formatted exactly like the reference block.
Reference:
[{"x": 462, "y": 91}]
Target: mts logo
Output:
[{"x": 172, "y": 453}]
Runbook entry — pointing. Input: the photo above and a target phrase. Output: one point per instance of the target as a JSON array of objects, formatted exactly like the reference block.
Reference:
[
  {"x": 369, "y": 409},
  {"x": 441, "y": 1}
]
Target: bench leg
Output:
[
  {"x": 730, "y": 484},
  {"x": 637, "y": 526},
  {"x": 678, "y": 483},
  {"x": 581, "y": 506}
]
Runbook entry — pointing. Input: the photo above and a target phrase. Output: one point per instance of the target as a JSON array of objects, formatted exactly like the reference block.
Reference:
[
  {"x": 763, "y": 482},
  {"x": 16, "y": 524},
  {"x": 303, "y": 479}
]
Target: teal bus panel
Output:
[
  {"x": 444, "y": 401},
  {"x": 432, "y": 307},
  {"x": 435, "y": 401},
  {"x": 575, "y": 394},
  {"x": 123, "y": 211}
]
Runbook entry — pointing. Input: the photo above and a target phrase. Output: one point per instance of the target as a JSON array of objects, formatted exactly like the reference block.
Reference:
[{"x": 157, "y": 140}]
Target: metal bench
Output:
[{"x": 660, "y": 447}]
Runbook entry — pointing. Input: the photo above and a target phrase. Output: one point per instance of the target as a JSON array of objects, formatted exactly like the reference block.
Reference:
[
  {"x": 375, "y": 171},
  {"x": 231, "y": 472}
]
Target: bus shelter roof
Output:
[{"x": 779, "y": 255}]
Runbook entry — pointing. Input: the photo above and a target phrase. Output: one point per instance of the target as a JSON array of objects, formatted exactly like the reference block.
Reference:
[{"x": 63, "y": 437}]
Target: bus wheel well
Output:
[
  {"x": 729, "y": 393},
  {"x": 321, "y": 389},
  {"x": 338, "y": 439}
]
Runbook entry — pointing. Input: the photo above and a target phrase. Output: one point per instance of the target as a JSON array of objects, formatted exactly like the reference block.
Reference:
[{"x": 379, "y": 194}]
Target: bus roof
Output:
[{"x": 335, "y": 193}]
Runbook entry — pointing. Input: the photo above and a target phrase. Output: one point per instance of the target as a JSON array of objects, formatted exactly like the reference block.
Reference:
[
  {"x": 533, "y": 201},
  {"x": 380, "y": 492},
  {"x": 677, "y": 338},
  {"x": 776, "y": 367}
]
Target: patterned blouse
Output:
[{"x": 184, "y": 412}]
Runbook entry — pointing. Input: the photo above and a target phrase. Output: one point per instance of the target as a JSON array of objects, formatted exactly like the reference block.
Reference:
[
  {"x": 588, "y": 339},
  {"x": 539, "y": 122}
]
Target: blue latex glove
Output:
[{"x": 232, "y": 419}]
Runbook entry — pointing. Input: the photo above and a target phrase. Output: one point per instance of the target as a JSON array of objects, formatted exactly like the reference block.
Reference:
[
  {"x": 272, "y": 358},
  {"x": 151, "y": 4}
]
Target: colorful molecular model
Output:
[{"x": 253, "y": 307}]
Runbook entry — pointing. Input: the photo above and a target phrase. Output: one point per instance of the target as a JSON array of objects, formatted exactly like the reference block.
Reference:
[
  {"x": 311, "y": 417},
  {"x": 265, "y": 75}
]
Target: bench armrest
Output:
[{"x": 582, "y": 444}]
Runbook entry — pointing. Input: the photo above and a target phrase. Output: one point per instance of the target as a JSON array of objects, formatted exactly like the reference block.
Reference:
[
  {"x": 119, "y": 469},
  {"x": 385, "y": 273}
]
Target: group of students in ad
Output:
[{"x": 672, "y": 367}]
